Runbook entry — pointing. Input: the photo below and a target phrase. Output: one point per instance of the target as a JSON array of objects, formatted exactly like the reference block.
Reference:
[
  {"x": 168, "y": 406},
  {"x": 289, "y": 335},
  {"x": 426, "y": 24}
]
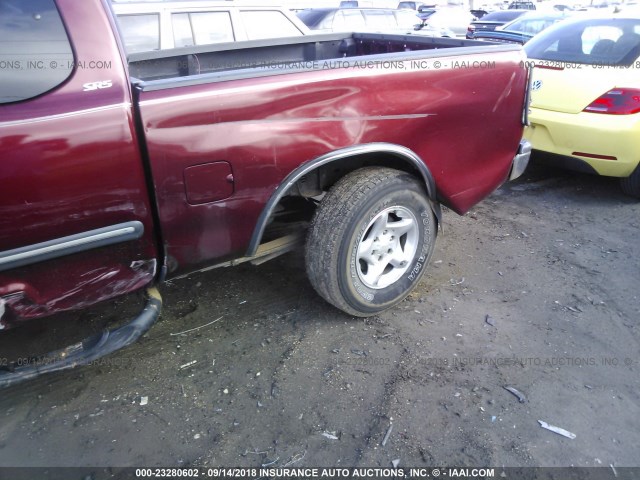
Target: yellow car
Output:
[{"x": 585, "y": 97}]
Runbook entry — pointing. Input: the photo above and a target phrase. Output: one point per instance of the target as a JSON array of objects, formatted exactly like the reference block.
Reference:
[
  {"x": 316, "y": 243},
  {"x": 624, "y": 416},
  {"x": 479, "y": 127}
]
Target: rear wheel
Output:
[
  {"x": 631, "y": 184},
  {"x": 370, "y": 240}
]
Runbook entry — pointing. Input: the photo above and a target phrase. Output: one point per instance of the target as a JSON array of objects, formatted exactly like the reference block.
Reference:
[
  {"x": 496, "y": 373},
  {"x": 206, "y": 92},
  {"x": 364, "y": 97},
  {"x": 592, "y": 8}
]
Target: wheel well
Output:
[
  {"x": 322, "y": 178},
  {"x": 293, "y": 203}
]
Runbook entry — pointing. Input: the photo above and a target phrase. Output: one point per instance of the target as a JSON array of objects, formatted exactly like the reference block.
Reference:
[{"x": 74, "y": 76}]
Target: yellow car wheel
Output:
[{"x": 631, "y": 184}]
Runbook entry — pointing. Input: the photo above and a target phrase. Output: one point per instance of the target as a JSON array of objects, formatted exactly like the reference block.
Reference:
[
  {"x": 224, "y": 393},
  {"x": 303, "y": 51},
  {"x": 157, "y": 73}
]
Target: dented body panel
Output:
[
  {"x": 109, "y": 180},
  {"x": 265, "y": 128}
]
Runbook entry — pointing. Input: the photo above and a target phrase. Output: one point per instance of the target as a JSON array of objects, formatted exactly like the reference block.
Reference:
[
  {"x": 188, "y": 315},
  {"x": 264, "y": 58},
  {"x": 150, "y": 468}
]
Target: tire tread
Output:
[
  {"x": 331, "y": 222},
  {"x": 631, "y": 184}
]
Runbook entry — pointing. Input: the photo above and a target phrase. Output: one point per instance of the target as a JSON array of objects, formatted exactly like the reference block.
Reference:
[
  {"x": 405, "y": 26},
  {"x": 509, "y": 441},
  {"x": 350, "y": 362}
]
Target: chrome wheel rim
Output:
[{"x": 387, "y": 247}]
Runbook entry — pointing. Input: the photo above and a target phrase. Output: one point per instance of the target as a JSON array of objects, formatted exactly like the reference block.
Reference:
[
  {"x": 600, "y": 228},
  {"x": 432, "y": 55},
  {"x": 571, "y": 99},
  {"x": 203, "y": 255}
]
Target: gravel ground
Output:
[{"x": 535, "y": 289}]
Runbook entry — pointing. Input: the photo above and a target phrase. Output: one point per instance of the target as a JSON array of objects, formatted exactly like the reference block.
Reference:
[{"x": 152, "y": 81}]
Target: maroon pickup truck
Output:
[{"x": 119, "y": 172}]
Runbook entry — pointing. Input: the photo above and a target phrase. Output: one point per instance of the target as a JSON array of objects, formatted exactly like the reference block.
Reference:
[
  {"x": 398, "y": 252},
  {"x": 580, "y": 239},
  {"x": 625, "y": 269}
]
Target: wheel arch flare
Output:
[{"x": 349, "y": 159}]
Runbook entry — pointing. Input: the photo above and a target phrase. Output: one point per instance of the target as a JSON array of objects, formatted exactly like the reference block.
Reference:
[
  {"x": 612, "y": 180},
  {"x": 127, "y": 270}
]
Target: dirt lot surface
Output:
[{"x": 536, "y": 289}]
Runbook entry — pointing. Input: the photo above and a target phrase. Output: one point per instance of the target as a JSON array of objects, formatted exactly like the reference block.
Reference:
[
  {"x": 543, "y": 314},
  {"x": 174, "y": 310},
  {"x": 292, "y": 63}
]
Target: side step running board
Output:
[{"x": 90, "y": 348}]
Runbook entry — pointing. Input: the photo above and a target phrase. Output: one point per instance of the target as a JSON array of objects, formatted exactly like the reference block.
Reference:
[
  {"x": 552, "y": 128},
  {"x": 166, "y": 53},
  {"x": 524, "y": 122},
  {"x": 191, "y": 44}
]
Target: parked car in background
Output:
[
  {"x": 411, "y": 5},
  {"x": 522, "y": 29},
  {"x": 493, "y": 20},
  {"x": 147, "y": 26},
  {"x": 522, "y": 6},
  {"x": 424, "y": 12},
  {"x": 478, "y": 12},
  {"x": 454, "y": 19},
  {"x": 562, "y": 7},
  {"x": 585, "y": 99},
  {"x": 427, "y": 9},
  {"x": 379, "y": 20}
]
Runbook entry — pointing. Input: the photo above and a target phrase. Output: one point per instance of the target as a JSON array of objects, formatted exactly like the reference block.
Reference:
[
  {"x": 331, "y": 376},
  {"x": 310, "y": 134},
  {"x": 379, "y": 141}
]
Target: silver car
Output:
[
  {"x": 454, "y": 19},
  {"x": 378, "y": 20}
]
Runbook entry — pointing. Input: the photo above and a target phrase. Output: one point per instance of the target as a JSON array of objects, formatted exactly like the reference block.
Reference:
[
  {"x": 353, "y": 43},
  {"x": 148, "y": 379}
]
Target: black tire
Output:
[
  {"x": 631, "y": 184},
  {"x": 358, "y": 227}
]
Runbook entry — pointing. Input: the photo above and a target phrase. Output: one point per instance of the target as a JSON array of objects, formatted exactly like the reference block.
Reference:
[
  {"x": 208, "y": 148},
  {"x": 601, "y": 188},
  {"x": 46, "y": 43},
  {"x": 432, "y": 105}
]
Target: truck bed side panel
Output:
[{"x": 464, "y": 122}]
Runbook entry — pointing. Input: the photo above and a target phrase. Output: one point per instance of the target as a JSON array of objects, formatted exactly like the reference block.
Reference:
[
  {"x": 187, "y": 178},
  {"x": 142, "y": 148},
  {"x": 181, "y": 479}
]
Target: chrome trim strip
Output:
[
  {"x": 527, "y": 97},
  {"x": 115, "y": 106},
  {"x": 364, "y": 118},
  {"x": 521, "y": 160},
  {"x": 80, "y": 242}
]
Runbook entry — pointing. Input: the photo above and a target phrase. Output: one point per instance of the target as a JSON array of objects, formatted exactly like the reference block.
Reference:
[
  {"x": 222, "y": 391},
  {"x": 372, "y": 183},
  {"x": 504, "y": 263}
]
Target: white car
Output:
[{"x": 147, "y": 26}]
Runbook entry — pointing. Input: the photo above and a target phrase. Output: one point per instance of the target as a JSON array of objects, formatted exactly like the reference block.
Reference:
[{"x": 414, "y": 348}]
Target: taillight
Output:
[
  {"x": 471, "y": 28},
  {"x": 619, "y": 101}
]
